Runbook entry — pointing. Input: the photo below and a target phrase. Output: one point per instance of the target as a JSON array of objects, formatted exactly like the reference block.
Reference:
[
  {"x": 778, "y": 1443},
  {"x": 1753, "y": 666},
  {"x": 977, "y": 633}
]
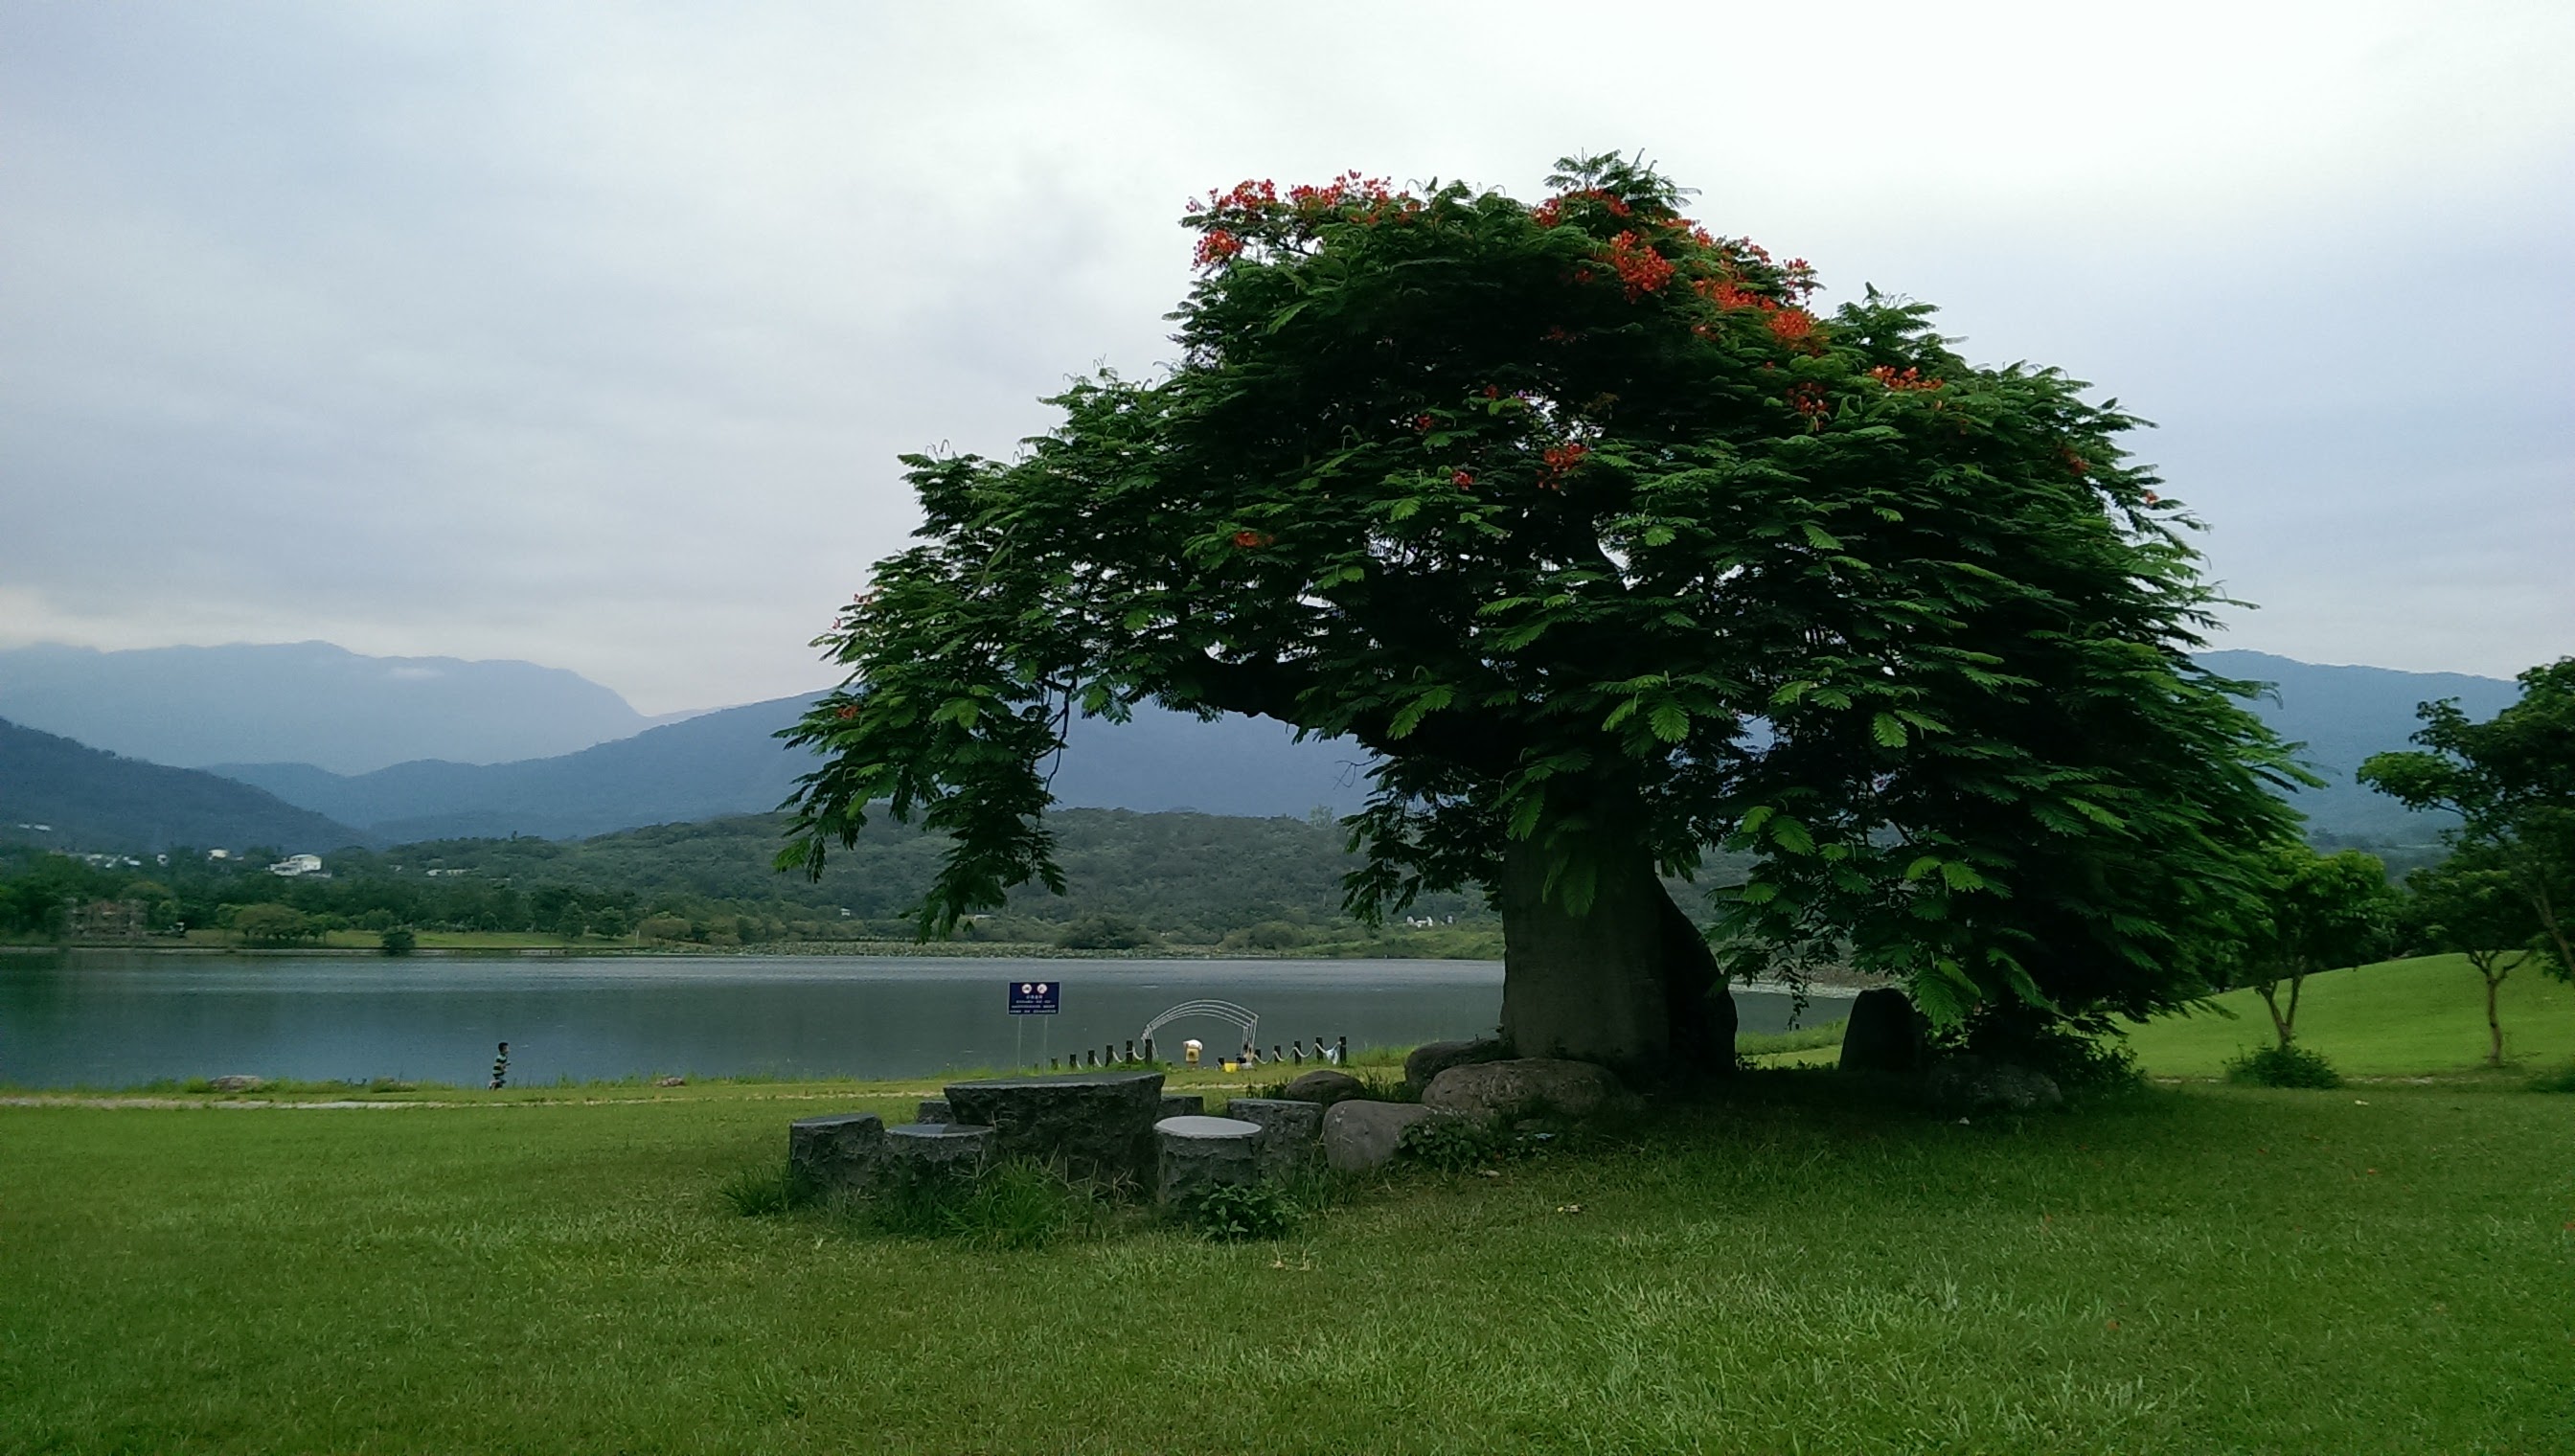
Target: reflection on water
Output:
[{"x": 105, "y": 1018}]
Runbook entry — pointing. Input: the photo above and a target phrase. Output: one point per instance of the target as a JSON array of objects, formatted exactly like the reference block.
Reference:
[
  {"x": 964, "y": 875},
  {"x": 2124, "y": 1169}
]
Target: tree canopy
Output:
[
  {"x": 2511, "y": 780},
  {"x": 1613, "y": 549}
]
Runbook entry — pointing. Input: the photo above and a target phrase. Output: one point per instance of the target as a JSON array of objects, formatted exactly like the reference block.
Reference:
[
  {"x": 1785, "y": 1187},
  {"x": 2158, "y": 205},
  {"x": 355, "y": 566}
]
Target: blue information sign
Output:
[{"x": 1036, "y": 997}]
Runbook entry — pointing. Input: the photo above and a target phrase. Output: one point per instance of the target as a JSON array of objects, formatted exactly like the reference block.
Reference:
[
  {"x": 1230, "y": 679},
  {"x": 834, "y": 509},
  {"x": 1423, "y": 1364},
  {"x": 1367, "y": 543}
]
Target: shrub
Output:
[
  {"x": 1451, "y": 1144},
  {"x": 399, "y": 941},
  {"x": 1231, "y": 1214},
  {"x": 2283, "y": 1066},
  {"x": 2078, "y": 1054}
]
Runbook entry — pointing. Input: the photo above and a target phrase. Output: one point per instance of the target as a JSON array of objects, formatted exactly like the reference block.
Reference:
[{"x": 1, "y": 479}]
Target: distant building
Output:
[{"x": 297, "y": 865}]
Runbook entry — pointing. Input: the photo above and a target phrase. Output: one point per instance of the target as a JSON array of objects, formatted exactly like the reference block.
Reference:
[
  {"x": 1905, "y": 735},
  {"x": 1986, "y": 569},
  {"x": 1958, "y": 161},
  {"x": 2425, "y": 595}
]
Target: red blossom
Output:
[
  {"x": 1250, "y": 540},
  {"x": 1902, "y": 379},
  {"x": 1215, "y": 246},
  {"x": 1421, "y": 423},
  {"x": 1462, "y": 480},
  {"x": 1809, "y": 399},
  {"x": 1791, "y": 325},
  {"x": 1559, "y": 461},
  {"x": 2153, "y": 498},
  {"x": 1638, "y": 265},
  {"x": 848, "y": 710}
]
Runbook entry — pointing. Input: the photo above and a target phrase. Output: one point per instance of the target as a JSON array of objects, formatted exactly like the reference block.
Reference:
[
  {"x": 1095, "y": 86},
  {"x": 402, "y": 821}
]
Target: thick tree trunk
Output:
[{"x": 1627, "y": 981}]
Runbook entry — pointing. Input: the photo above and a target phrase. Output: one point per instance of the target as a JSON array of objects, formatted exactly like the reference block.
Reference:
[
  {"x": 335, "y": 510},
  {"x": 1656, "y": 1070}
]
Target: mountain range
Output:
[
  {"x": 307, "y": 702},
  {"x": 731, "y": 762}
]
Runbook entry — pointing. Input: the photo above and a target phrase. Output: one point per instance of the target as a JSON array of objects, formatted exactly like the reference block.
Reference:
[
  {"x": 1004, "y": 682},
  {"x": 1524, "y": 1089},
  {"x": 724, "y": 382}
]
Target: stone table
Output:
[{"x": 1100, "y": 1123}]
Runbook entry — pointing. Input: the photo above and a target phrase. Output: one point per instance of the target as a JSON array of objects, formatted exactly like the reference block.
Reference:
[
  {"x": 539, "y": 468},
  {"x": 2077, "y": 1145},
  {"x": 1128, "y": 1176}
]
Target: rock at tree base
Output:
[
  {"x": 1884, "y": 1035},
  {"x": 1199, "y": 1153},
  {"x": 1100, "y": 1123},
  {"x": 838, "y": 1155},
  {"x": 933, "y": 1109},
  {"x": 1324, "y": 1086},
  {"x": 237, "y": 1084},
  {"x": 1575, "y": 1089},
  {"x": 1183, "y": 1104},
  {"x": 924, "y": 1151},
  {"x": 1358, "y": 1137},
  {"x": 1431, "y": 1058},
  {"x": 1291, "y": 1131},
  {"x": 1973, "y": 1084}
]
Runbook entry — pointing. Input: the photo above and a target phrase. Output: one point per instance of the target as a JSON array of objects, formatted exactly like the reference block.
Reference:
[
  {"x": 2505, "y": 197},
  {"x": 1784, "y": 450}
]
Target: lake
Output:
[{"x": 122, "y": 1018}]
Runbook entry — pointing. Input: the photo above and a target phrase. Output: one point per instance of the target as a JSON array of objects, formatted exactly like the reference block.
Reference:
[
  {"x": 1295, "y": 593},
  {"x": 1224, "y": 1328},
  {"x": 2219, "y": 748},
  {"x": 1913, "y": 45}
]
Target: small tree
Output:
[
  {"x": 2326, "y": 911},
  {"x": 2511, "y": 781},
  {"x": 2469, "y": 904}
]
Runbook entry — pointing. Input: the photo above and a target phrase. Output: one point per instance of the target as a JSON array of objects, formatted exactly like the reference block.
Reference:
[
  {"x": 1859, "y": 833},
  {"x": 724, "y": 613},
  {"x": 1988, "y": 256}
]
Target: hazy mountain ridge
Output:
[
  {"x": 310, "y": 703},
  {"x": 91, "y": 799},
  {"x": 731, "y": 762},
  {"x": 2345, "y": 714}
]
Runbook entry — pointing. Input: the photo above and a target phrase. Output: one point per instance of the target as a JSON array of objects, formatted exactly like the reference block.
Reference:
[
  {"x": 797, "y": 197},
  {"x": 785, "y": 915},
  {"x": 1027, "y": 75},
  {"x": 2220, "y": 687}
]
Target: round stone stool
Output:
[
  {"x": 1199, "y": 1153},
  {"x": 930, "y": 1150}
]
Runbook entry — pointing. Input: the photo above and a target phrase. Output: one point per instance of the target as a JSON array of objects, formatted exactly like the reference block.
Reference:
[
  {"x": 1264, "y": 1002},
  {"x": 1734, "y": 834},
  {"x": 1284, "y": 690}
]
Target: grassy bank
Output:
[
  {"x": 2196, "y": 1269},
  {"x": 2396, "y": 1018}
]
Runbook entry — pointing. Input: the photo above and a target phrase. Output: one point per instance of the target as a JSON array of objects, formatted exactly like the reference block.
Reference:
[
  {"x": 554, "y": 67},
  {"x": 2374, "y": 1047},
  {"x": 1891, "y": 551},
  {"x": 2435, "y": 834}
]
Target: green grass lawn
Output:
[
  {"x": 2396, "y": 1018},
  {"x": 1797, "y": 1268}
]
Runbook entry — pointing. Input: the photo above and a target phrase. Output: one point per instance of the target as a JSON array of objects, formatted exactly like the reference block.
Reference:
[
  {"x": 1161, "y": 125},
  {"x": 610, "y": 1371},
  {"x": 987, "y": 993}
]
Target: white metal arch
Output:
[{"x": 1242, "y": 1017}]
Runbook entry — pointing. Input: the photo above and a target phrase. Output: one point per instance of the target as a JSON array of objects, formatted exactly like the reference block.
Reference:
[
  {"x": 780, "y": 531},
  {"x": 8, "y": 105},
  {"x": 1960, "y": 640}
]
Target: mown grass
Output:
[
  {"x": 2396, "y": 1018},
  {"x": 1806, "y": 1266}
]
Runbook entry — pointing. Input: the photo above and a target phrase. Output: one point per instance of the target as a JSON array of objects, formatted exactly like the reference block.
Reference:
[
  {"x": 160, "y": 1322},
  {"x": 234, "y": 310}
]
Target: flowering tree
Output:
[{"x": 1612, "y": 549}]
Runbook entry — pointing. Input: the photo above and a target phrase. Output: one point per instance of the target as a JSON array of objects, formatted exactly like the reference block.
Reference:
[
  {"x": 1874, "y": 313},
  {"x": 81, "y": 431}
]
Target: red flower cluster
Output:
[
  {"x": 1215, "y": 246},
  {"x": 1463, "y": 481},
  {"x": 1727, "y": 294},
  {"x": 1809, "y": 399},
  {"x": 1559, "y": 461},
  {"x": 848, "y": 710},
  {"x": 1249, "y": 539},
  {"x": 1902, "y": 379},
  {"x": 1421, "y": 423},
  {"x": 1348, "y": 188},
  {"x": 1550, "y": 212},
  {"x": 2073, "y": 461},
  {"x": 1638, "y": 265},
  {"x": 1791, "y": 325}
]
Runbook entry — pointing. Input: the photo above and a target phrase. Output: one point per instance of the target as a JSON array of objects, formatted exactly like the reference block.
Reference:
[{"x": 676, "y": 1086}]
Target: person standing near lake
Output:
[{"x": 500, "y": 1067}]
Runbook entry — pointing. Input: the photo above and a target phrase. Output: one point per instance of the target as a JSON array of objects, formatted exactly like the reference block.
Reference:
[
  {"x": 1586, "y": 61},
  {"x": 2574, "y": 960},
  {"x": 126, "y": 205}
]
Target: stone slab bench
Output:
[{"x": 1100, "y": 1123}]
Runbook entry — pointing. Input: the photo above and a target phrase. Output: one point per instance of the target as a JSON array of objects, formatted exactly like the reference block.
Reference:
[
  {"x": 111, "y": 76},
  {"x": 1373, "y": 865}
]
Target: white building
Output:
[{"x": 295, "y": 864}]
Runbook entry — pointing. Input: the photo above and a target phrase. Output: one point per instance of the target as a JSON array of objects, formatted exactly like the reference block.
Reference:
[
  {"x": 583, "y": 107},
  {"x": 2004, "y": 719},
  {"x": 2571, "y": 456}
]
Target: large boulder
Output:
[
  {"x": 1885, "y": 1034},
  {"x": 843, "y": 1153},
  {"x": 1199, "y": 1153},
  {"x": 1575, "y": 1089},
  {"x": 1324, "y": 1086},
  {"x": 1289, "y": 1131},
  {"x": 1100, "y": 1123},
  {"x": 1358, "y": 1137},
  {"x": 1973, "y": 1084},
  {"x": 1431, "y": 1058}
]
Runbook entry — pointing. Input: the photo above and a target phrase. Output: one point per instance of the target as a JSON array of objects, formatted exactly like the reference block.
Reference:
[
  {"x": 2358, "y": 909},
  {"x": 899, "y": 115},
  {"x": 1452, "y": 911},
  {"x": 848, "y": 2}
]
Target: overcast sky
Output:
[{"x": 587, "y": 335}]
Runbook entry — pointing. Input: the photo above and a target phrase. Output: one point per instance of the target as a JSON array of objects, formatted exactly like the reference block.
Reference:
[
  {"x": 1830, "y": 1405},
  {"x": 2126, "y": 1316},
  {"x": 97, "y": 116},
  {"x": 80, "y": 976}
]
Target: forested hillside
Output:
[
  {"x": 1134, "y": 879},
  {"x": 61, "y": 794}
]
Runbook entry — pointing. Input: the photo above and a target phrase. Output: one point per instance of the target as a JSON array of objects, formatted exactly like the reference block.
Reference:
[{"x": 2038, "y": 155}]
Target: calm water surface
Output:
[{"x": 110, "y": 1019}]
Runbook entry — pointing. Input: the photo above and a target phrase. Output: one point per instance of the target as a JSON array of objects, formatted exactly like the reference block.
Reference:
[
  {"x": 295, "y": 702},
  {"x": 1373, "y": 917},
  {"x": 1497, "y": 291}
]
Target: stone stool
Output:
[
  {"x": 1291, "y": 1132},
  {"x": 933, "y": 1109},
  {"x": 925, "y": 1152},
  {"x": 1199, "y": 1153},
  {"x": 1183, "y": 1104},
  {"x": 838, "y": 1155}
]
